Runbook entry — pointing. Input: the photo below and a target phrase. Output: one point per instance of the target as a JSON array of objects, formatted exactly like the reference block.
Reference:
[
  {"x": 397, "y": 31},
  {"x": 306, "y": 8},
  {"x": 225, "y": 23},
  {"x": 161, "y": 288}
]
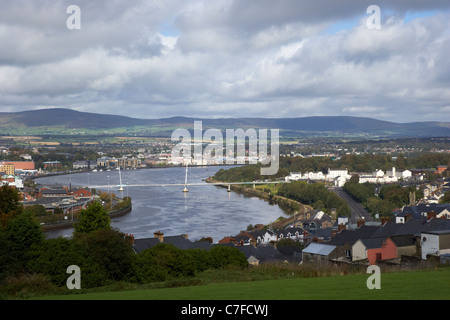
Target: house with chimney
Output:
[{"x": 180, "y": 241}]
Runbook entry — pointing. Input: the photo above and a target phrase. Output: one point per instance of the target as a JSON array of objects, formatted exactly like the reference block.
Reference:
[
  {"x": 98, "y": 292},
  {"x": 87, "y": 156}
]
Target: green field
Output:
[{"x": 411, "y": 285}]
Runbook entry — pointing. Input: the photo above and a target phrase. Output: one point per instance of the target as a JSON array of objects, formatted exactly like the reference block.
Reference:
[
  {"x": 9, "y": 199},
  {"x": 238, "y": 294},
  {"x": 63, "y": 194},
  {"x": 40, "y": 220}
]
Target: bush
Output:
[
  {"x": 52, "y": 257},
  {"x": 95, "y": 217},
  {"x": 201, "y": 258},
  {"x": 109, "y": 251},
  {"x": 146, "y": 268},
  {"x": 26, "y": 285},
  {"x": 224, "y": 256},
  {"x": 162, "y": 262}
]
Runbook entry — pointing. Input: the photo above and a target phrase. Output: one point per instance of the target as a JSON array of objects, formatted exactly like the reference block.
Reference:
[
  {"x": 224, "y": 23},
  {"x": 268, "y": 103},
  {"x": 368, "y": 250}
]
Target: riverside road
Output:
[{"x": 357, "y": 210}]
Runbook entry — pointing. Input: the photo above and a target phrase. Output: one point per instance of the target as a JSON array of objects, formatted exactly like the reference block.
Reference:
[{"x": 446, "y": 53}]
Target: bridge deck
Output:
[{"x": 183, "y": 184}]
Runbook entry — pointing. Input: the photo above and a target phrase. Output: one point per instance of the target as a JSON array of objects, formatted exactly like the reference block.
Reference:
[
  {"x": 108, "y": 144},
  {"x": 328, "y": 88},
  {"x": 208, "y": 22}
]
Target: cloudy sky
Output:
[{"x": 228, "y": 58}]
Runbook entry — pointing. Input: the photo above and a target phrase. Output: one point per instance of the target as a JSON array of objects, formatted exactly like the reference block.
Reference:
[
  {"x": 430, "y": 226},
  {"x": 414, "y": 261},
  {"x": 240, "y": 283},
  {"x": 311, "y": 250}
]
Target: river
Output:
[{"x": 204, "y": 211}]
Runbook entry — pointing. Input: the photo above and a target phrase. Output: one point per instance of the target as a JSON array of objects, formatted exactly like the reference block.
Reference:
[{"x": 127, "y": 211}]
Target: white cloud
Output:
[{"x": 226, "y": 58}]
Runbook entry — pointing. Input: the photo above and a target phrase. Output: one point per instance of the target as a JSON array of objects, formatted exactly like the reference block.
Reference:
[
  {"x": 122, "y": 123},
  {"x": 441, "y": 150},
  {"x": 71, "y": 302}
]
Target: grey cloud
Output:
[{"x": 225, "y": 58}]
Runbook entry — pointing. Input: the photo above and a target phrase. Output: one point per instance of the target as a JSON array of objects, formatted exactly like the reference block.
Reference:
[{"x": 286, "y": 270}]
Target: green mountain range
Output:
[{"x": 69, "y": 122}]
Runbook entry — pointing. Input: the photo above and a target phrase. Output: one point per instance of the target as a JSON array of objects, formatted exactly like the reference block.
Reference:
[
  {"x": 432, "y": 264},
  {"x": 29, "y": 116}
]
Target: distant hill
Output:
[{"x": 66, "y": 121}]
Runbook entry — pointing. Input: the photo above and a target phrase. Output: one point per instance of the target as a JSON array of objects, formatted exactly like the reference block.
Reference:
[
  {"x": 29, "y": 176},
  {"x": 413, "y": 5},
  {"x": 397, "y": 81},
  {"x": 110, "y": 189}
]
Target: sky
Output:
[{"x": 228, "y": 58}]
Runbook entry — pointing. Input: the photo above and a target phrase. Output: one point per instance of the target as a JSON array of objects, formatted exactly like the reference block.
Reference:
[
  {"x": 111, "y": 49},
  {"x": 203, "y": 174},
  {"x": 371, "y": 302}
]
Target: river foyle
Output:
[{"x": 204, "y": 211}]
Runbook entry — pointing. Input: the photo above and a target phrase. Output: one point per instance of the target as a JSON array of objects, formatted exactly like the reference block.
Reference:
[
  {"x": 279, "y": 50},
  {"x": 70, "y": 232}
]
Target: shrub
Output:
[
  {"x": 26, "y": 285},
  {"x": 224, "y": 256},
  {"x": 109, "y": 251},
  {"x": 52, "y": 257}
]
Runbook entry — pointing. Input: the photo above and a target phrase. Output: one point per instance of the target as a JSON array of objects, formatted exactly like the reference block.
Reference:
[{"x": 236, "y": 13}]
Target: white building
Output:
[
  {"x": 341, "y": 176},
  {"x": 340, "y": 181},
  {"x": 12, "y": 181},
  {"x": 294, "y": 176},
  {"x": 434, "y": 242},
  {"x": 378, "y": 173},
  {"x": 400, "y": 174},
  {"x": 337, "y": 173}
]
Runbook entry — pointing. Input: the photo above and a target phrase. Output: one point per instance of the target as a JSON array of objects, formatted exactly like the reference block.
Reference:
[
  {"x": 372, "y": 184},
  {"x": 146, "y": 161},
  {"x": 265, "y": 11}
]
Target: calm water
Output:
[{"x": 204, "y": 211}]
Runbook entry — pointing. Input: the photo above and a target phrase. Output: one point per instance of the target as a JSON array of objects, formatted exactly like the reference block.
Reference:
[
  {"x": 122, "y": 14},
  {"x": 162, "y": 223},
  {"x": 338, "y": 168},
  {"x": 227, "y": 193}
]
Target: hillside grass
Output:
[{"x": 400, "y": 285}]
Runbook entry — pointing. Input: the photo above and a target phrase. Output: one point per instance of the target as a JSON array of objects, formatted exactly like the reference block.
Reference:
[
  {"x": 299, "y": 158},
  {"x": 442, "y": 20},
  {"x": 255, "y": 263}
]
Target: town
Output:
[{"x": 314, "y": 235}]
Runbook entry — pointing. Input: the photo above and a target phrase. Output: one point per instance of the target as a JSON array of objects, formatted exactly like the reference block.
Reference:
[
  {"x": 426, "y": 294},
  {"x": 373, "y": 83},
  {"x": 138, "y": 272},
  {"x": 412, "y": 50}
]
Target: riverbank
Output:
[{"x": 294, "y": 209}]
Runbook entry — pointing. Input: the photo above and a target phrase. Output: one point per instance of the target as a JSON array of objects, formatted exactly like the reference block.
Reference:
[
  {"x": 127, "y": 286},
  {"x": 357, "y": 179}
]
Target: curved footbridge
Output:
[{"x": 229, "y": 184}]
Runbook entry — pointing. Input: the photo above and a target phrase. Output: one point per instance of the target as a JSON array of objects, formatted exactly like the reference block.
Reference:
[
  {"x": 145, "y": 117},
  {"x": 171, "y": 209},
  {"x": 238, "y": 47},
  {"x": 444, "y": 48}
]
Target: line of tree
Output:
[
  {"x": 315, "y": 195},
  {"x": 103, "y": 254},
  {"x": 365, "y": 162},
  {"x": 353, "y": 163},
  {"x": 389, "y": 198}
]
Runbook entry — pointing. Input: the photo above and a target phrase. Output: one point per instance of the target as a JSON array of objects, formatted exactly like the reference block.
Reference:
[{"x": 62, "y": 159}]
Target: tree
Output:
[
  {"x": 23, "y": 231},
  {"x": 445, "y": 198},
  {"x": 354, "y": 179},
  {"x": 36, "y": 210},
  {"x": 147, "y": 269},
  {"x": 162, "y": 262},
  {"x": 223, "y": 256},
  {"x": 95, "y": 217},
  {"x": 9, "y": 204},
  {"x": 52, "y": 257},
  {"x": 9, "y": 262},
  {"x": 109, "y": 250}
]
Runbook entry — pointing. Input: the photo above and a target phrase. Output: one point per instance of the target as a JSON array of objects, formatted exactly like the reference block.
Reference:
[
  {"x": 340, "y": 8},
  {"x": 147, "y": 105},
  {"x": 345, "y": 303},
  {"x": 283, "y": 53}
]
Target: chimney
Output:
[
  {"x": 253, "y": 242},
  {"x": 184, "y": 235},
  {"x": 159, "y": 235},
  {"x": 431, "y": 215},
  {"x": 384, "y": 220},
  {"x": 360, "y": 222},
  {"x": 129, "y": 238},
  {"x": 341, "y": 227}
]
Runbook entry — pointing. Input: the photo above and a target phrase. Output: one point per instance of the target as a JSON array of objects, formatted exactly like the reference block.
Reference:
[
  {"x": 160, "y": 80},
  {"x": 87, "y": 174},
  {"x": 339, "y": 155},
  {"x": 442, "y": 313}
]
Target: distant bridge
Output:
[{"x": 184, "y": 184}]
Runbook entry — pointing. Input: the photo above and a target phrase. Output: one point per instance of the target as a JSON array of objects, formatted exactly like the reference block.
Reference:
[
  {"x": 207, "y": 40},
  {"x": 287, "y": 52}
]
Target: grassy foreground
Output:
[{"x": 410, "y": 285}]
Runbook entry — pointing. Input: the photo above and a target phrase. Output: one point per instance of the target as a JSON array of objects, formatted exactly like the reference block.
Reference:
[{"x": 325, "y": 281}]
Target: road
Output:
[{"x": 357, "y": 210}]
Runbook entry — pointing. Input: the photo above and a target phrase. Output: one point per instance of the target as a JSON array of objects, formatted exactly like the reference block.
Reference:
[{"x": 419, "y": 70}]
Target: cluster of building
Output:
[
  {"x": 418, "y": 234},
  {"x": 12, "y": 173},
  {"x": 123, "y": 163},
  {"x": 340, "y": 176},
  {"x": 434, "y": 191},
  {"x": 60, "y": 198},
  {"x": 411, "y": 240}
]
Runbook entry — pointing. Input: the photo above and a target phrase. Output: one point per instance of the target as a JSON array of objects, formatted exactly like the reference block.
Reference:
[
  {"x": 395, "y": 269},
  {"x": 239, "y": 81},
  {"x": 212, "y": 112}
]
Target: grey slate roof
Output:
[
  {"x": 417, "y": 212},
  {"x": 262, "y": 253},
  {"x": 403, "y": 240},
  {"x": 178, "y": 241},
  {"x": 351, "y": 236},
  {"x": 373, "y": 243},
  {"x": 388, "y": 229}
]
